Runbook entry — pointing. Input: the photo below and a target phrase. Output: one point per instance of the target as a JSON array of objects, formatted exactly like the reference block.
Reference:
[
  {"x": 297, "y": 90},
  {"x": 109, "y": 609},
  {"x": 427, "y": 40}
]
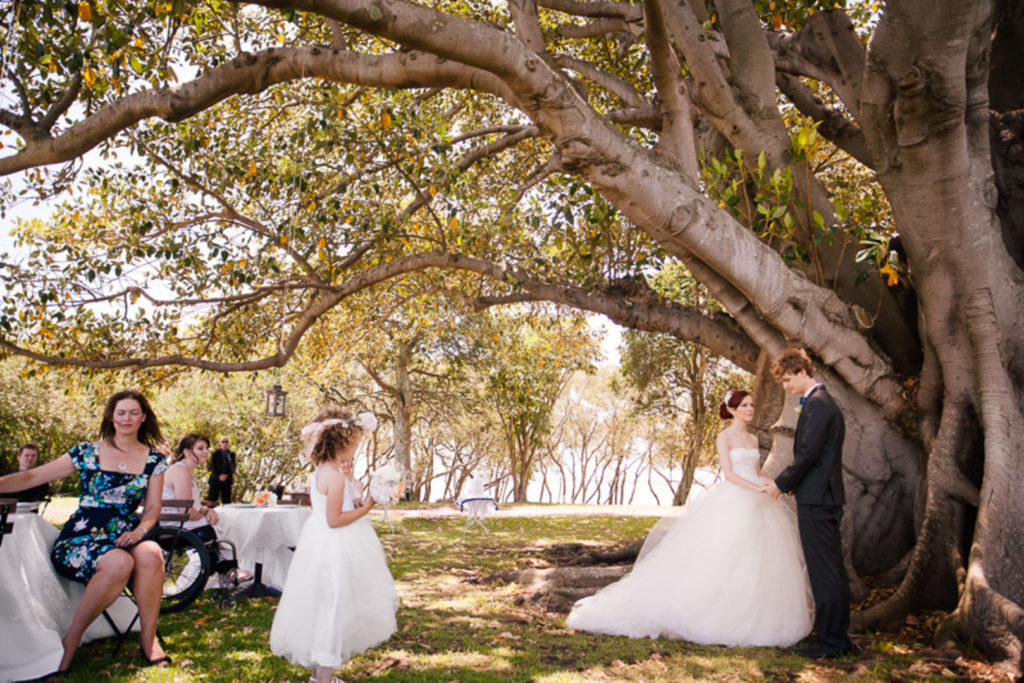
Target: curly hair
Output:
[
  {"x": 791, "y": 362},
  {"x": 336, "y": 437}
]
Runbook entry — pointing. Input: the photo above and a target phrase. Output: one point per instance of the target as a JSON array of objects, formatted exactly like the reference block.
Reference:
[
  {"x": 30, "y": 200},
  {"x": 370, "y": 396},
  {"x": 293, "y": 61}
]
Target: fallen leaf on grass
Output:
[
  {"x": 201, "y": 621},
  {"x": 400, "y": 664}
]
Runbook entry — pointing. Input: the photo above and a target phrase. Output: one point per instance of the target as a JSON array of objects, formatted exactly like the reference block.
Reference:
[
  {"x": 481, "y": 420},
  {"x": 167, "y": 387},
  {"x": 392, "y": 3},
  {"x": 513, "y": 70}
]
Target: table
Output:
[
  {"x": 36, "y": 604},
  {"x": 264, "y": 538}
]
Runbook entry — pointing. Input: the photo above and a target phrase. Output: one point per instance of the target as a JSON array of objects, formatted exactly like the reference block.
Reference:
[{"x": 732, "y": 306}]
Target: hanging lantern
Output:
[{"x": 276, "y": 401}]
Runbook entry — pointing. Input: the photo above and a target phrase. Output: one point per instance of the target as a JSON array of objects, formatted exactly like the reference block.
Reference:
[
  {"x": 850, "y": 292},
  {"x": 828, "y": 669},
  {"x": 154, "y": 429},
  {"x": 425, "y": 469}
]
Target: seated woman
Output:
[
  {"x": 180, "y": 483},
  {"x": 102, "y": 544}
]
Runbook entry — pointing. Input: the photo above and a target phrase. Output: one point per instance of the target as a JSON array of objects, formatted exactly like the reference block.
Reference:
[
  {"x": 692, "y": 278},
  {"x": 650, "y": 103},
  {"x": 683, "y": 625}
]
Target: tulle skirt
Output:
[
  {"x": 729, "y": 571},
  {"x": 339, "y": 598}
]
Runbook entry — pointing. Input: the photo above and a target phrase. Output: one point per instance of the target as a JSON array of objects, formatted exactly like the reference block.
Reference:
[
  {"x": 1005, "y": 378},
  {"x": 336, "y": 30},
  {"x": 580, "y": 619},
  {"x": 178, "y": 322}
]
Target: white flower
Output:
[{"x": 367, "y": 421}]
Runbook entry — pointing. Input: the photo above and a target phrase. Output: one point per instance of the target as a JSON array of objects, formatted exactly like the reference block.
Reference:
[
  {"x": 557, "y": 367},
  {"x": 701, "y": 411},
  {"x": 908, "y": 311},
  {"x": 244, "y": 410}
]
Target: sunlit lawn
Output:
[{"x": 453, "y": 627}]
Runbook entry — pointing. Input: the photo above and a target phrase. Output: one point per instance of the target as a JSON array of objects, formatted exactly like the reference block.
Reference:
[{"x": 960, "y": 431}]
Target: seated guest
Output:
[
  {"x": 180, "y": 483},
  {"x": 28, "y": 454},
  {"x": 103, "y": 544}
]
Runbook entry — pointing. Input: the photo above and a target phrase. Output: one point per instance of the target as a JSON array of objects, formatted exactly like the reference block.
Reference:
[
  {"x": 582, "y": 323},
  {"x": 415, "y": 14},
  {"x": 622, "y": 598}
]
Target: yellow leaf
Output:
[
  {"x": 252, "y": 169},
  {"x": 89, "y": 76},
  {"x": 771, "y": 5},
  {"x": 452, "y": 223},
  {"x": 284, "y": 239},
  {"x": 894, "y": 277},
  {"x": 777, "y": 21},
  {"x": 321, "y": 244},
  {"x": 139, "y": 42},
  {"x": 433, "y": 191},
  {"x": 385, "y": 121},
  {"x": 84, "y": 11}
]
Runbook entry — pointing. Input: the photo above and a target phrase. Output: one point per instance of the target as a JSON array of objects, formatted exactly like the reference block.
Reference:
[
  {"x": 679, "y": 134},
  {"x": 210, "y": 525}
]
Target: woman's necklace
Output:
[{"x": 123, "y": 465}]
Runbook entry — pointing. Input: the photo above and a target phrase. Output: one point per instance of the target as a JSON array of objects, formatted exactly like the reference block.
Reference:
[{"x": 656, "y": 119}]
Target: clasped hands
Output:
[{"x": 771, "y": 489}]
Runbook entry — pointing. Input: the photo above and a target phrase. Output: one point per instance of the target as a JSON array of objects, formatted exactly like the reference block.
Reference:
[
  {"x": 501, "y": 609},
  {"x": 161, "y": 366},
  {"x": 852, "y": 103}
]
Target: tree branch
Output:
[
  {"x": 751, "y": 60},
  {"x": 626, "y": 12},
  {"x": 594, "y": 29},
  {"x": 618, "y": 87},
  {"x": 828, "y": 50},
  {"x": 834, "y": 125},
  {"x": 676, "y": 118},
  {"x": 249, "y": 73},
  {"x": 63, "y": 104}
]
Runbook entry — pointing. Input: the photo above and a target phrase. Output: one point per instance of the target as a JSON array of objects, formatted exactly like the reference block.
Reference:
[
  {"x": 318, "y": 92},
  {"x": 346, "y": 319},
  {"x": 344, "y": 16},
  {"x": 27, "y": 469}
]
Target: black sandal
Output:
[{"x": 159, "y": 661}]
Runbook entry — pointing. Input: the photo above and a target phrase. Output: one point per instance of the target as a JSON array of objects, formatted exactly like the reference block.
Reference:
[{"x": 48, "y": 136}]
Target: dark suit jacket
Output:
[
  {"x": 816, "y": 475},
  {"x": 222, "y": 461},
  {"x": 41, "y": 492}
]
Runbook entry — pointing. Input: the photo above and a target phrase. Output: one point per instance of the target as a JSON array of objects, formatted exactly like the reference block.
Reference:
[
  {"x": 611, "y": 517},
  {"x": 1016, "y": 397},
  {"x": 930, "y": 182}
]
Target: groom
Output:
[{"x": 815, "y": 477}]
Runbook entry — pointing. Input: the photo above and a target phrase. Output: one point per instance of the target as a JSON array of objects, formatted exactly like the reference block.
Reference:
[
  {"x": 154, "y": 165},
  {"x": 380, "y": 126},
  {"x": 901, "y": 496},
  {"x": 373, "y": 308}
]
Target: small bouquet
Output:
[
  {"x": 387, "y": 484},
  {"x": 264, "y": 498}
]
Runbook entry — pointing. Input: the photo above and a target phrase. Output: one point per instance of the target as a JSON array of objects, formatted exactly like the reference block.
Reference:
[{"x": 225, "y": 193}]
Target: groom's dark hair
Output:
[{"x": 791, "y": 362}]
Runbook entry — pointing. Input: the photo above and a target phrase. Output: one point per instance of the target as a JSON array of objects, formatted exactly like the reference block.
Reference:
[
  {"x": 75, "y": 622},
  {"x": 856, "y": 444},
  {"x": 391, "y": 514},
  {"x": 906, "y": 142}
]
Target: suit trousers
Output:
[
  {"x": 823, "y": 549},
  {"x": 220, "y": 491}
]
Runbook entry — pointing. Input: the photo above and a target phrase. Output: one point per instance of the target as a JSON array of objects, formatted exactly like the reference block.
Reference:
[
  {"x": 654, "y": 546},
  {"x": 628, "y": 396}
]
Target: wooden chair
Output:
[{"x": 8, "y": 506}]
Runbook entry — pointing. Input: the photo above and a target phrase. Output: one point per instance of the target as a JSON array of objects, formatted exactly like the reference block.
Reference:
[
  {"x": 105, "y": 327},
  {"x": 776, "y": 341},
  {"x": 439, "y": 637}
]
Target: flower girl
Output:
[{"x": 339, "y": 598}]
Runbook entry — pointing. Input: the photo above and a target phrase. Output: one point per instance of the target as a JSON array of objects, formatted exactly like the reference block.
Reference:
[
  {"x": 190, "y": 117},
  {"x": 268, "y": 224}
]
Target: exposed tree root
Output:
[{"x": 990, "y": 620}]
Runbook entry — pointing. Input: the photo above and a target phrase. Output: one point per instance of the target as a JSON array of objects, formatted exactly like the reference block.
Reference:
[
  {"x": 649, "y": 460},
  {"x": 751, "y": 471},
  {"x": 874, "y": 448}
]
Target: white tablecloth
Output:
[
  {"x": 263, "y": 534},
  {"x": 36, "y": 605}
]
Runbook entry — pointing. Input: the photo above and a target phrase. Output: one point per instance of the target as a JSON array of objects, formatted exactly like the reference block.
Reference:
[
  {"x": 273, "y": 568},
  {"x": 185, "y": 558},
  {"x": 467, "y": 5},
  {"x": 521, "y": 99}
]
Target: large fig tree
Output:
[{"x": 259, "y": 163}]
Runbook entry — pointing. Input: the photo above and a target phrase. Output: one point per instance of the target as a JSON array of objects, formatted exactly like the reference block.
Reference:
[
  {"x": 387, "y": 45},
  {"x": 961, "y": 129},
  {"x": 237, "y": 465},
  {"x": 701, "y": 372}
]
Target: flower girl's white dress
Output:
[
  {"x": 729, "y": 571},
  {"x": 339, "y": 598}
]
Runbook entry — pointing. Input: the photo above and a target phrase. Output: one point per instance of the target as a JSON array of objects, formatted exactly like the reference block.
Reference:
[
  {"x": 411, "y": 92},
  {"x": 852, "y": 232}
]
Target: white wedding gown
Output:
[{"x": 729, "y": 571}]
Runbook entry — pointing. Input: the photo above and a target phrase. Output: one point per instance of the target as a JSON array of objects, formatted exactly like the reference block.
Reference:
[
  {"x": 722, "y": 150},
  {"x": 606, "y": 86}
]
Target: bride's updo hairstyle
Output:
[
  {"x": 732, "y": 399},
  {"x": 337, "y": 429}
]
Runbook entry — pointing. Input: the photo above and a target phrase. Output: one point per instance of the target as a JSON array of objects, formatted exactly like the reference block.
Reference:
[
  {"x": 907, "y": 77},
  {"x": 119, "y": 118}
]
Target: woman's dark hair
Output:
[
  {"x": 149, "y": 430},
  {"x": 335, "y": 437},
  {"x": 186, "y": 444},
  {"x": 732, "y": 400}
]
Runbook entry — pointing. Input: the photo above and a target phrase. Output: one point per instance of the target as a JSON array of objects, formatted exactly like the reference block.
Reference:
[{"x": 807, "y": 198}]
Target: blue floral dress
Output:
[{"x": 106, "y": 510}]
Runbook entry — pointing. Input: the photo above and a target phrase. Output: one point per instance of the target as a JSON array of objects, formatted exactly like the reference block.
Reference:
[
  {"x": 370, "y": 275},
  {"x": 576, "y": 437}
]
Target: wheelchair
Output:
[{"x": 188, "y": 564}]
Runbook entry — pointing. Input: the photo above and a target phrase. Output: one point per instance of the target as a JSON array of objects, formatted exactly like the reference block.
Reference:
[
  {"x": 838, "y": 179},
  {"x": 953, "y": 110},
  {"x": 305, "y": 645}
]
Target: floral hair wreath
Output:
[
  {"x": 728, "y": 397},
  {"x": 310, "y": 434}
]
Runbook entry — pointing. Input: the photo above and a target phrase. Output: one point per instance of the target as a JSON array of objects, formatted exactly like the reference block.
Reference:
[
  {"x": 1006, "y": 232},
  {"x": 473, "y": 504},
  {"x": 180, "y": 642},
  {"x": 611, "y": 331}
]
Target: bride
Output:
[{"x": 729, "y": 571}]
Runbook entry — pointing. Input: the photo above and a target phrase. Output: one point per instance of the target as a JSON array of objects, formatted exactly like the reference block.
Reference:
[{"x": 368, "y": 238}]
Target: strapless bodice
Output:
[{"x": 744, "y": 463}]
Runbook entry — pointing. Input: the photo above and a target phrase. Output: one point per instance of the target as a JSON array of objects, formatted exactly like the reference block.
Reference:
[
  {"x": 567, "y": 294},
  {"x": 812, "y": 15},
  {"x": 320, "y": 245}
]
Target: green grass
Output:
[{"x": 454, "y": 627}]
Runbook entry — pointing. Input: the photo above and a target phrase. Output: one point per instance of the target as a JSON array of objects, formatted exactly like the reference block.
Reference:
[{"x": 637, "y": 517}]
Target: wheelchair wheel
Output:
[{"x": 187, "y": 567}]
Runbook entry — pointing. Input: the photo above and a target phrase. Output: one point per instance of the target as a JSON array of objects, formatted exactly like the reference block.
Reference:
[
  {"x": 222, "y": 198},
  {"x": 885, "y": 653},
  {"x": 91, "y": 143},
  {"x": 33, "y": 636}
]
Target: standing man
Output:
[
  {"x": 222, "y": 472},
  {"x": 28, "y": 456},
  {"x": 816, "y": 478}
]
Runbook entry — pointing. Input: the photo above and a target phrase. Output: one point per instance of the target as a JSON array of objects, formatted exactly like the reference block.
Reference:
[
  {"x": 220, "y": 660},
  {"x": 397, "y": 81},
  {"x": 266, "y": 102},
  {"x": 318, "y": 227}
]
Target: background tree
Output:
[
  {"x": 679, "y": 380},
  {"x": 529, "y": 364}
]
